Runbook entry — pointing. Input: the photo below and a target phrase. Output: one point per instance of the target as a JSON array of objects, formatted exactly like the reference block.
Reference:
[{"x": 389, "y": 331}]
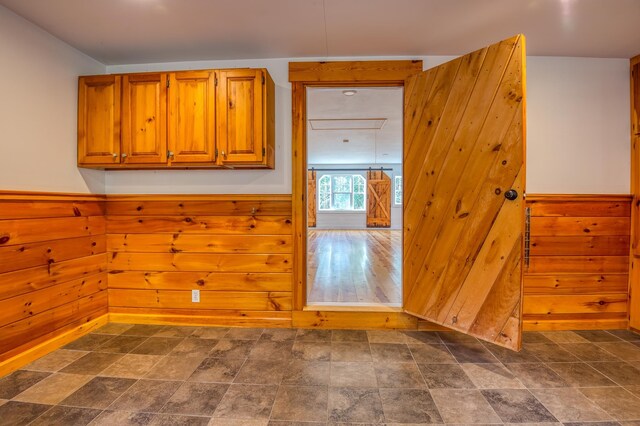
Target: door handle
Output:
[{"x": 511, "y": 194}]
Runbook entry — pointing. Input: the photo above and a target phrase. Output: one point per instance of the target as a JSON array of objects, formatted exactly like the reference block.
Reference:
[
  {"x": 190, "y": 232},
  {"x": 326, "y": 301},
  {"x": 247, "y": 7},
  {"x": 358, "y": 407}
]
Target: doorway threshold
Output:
[{"x": 353, "y": 307}]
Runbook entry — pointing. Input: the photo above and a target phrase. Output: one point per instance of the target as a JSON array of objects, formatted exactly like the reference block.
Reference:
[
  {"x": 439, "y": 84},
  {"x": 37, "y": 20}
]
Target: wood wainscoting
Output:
[
  {"x": 56, "y": 249},
  {"x": 578, "y": 270},
  {"x": 53, "y": 267},
  {"x": 235, "y": 249}
]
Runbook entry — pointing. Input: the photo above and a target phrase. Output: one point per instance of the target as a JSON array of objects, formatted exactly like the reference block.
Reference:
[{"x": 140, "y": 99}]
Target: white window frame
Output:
[
  {"x": 351, "y": 193},
  {"x": 397, "y": 178}
]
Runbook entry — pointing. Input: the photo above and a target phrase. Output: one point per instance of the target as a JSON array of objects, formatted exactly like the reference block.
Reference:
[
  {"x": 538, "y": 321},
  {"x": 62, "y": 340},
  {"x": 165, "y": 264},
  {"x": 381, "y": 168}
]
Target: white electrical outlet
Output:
[{"x": 195, "y": 296}]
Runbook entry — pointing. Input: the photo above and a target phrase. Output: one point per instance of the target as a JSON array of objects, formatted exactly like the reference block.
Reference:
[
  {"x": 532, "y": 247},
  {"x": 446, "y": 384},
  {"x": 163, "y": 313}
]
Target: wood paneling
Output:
[
  {"x": 230, "y": 225},
  {"x": 236, "y": 251},
  {"x": 578, "y": 268},
  {"x": 52, "y": 267},
  {"x": 464, "y": 131}
]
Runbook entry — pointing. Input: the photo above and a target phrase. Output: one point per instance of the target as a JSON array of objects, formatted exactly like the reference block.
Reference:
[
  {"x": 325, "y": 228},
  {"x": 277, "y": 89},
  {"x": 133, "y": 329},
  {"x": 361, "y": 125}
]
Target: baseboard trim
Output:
[
  {"x": 9, "y": 365},
  {"x": 200, "y": 320},
  {"x": 575, "y": 324}
]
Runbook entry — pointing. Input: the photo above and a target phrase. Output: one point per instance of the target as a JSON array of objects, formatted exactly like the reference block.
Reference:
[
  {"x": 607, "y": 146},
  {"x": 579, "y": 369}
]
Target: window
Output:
[
  {"x": 341, "y": 192},
  {"x": 397, "y": 190}
]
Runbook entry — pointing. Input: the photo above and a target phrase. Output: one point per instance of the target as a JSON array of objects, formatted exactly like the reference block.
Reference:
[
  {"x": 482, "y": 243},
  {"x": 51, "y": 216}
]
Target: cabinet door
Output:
[
  {"x": 241, "y": 117},
  {"x": 144, "y": 112},
  {"x": 192, "y": 117},
  {"x": 99, "y": 120}
]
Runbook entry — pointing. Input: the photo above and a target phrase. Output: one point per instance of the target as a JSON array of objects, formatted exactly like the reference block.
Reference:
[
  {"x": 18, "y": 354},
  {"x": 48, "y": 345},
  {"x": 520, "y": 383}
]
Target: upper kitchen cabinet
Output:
[
  {"x": 182, "y": 119},
  {"x": 192, "y": 102},
  {"x": 144, "y": 118},
  {"x": 246, "y": 122},
  {"x": 99, "y": 120}
]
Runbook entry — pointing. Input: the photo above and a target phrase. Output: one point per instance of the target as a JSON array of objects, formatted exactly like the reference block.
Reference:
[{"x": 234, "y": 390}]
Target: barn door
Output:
[
  {"x": 378, "y": 199},
  {"x": 311, "y": 198},
  {"x": 463, "y": 199}
]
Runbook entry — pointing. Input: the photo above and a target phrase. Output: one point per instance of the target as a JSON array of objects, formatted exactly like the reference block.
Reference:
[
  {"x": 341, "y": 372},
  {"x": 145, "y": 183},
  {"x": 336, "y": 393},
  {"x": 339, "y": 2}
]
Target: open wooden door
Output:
[{"x": 464, "y": 152}]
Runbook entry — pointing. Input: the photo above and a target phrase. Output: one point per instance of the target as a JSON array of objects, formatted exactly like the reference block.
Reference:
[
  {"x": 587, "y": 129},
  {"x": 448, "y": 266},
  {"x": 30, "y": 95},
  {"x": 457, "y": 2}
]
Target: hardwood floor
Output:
[{"x": 355, "y": 267}]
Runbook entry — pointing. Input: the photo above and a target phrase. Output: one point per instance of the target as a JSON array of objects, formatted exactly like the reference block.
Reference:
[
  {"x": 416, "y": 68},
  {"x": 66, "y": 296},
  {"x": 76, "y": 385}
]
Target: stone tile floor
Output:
[{"x": 125, "y": 374}]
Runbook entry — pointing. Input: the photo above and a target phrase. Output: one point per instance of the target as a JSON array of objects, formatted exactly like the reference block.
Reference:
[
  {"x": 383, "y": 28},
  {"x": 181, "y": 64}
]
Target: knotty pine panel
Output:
[
  {"x": 186, "y": 243},
  {"x": 237, "y": 250},
  {"x": 577, "y": 275},
  {"x": 238, "y": 225},
  {"x": 53, "y": 266},
  {"x": 211, "y": 281}
]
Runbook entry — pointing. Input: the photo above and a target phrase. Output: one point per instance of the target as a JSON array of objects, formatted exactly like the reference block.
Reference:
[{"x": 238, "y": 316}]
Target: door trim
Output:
[{"x": 325, "y": 74}]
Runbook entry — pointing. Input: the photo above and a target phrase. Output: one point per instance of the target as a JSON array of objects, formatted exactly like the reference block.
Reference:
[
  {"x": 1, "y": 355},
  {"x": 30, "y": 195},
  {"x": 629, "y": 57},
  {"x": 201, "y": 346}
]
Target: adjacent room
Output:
[{"x": 354, "y": 176}]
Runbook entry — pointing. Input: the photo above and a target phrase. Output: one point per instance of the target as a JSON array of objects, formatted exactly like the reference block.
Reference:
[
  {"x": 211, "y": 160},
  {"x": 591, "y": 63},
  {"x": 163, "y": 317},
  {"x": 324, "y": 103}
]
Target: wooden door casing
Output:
[
  {"x": 311, "y": 198},
  {"x": 464, "y": 148},
  {"x": 144, "y": 115},
  {"x": 192, "y": 102},
  {"x": 99, "y": 119},
  {"x": 378, "y": 199}
]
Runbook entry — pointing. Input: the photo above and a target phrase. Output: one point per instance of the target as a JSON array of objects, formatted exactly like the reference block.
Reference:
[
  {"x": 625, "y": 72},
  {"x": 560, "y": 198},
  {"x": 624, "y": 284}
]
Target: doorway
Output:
[
  {"x": 464, "y": 179},
  {"x": 354, "y": 196}
]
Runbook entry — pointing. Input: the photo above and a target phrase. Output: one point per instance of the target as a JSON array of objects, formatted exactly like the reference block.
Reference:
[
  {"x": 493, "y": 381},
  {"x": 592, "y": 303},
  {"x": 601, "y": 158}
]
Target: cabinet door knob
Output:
[
  {"x": 169, "y": 154},
  {"x": 123, "y": 155},
  {"x": 224, "y": 154},
  {"x": 114, "y": 155}
]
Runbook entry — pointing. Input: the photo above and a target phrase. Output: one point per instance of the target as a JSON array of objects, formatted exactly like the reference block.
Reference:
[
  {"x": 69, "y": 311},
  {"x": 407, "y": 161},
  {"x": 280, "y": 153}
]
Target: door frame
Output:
[{"x": 325, "y": 74}]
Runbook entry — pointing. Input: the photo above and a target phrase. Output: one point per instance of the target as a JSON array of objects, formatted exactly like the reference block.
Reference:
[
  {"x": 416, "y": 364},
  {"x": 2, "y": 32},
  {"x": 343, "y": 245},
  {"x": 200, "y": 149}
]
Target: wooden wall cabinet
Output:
[
  {"x": 99, "y": 120},
  {"x": 187, "y": 119},
  {"x": 245, "y": 118}
]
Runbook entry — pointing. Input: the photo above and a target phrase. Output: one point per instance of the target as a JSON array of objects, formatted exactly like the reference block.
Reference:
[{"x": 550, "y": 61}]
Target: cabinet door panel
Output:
[
  {"x": 240, "y": 116},
  {"x": 144, "y": 118},
  {"x": 99, "y": 119},
  {"x": 192, "y": 117}
]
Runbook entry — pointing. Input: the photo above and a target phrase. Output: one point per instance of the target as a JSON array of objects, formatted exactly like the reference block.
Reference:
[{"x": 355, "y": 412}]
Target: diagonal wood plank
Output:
[{"x": 462, "y": 239}]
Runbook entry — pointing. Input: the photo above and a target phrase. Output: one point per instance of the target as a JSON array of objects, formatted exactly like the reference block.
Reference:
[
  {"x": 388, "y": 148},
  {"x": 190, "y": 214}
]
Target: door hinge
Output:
[
  {"x": 527, "y": 236},
  {"x": 215, "y": 155},
  {"x": 264, "y": 151},
  {"x": 263, "y": 80},
  {"x": 215, "y": 80},
  {"x": 168, "y": 83}
]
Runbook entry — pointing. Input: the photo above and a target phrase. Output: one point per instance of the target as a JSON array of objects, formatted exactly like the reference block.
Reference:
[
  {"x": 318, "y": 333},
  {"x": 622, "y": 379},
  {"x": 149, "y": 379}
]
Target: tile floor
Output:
[{"x": 126, "y": 374}]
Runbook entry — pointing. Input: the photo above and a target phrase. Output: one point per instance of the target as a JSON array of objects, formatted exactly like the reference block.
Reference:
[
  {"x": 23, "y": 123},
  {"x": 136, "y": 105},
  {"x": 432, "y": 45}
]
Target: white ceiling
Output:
[
  {"x": 382, "y": 146},
  {"x": 144, "y": 31}
]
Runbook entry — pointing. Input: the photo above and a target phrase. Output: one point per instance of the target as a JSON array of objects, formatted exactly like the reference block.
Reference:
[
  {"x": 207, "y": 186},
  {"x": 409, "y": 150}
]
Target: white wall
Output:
[
  {"x": 38, "y": 83},
  {"x": 578, "y": 138},
  {"x": 577, "y": 131}
]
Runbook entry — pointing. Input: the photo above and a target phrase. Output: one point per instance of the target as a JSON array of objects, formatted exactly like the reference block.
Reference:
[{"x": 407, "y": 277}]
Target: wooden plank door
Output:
[
  {"x": 144, "y": 114},
  {"x": 311, "y": 198},
  {"x": 241, "y": 126},
  {"x": 99, "y": 119},
  {"x": 378, "y": 199},
  {"x": 192, "y": 98},
  {"x": 463, "y": 153}
]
